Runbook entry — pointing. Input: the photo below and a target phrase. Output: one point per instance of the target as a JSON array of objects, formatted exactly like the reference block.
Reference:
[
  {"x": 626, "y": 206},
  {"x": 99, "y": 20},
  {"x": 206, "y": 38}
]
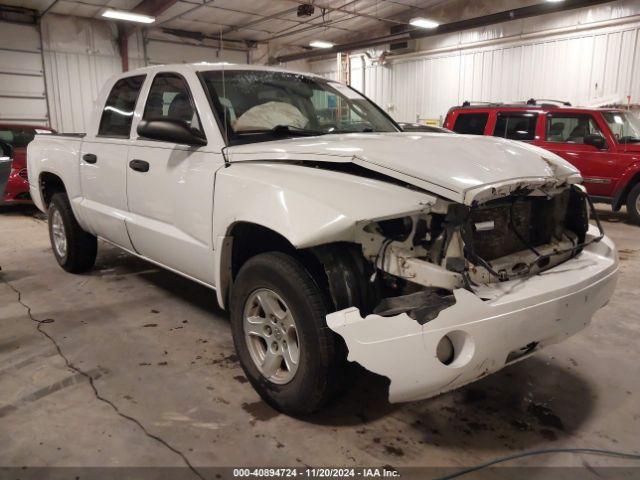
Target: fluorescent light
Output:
[
  {"x": 423, "y": 22},
  {"x": 130, "y": 17},
  {"x": 555, "y": 1},
  {"x": 321, "y": 44}
]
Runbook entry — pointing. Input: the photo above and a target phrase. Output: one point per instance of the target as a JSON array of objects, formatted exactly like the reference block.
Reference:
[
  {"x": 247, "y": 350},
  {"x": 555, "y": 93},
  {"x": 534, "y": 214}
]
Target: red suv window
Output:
[
  {"x": 516, "y": 126},
  {"x": 570, "y": 128},
  {"x": 471, "y": 123}
]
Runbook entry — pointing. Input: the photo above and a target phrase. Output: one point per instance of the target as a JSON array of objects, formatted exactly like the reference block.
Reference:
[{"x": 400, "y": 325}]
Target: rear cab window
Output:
[
  {"x": 516, "y": 125},
  {"x": 119, "y": 108},
  {"x": 471, "y": 123}
]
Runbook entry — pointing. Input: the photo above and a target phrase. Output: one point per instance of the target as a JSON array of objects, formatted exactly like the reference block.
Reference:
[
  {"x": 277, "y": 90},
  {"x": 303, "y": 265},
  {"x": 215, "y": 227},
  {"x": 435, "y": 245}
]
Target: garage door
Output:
[{"x": 22, "y": 89}]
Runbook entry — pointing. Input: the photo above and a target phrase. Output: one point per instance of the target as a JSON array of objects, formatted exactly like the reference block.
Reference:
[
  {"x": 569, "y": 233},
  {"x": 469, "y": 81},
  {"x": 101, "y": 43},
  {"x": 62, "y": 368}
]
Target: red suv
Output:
[
  {"x": 18, "y": 136},
  {"x": 604, "y": 144}
]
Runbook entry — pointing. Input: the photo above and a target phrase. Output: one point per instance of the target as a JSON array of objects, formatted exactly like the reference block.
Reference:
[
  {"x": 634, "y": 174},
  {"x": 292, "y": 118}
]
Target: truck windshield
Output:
[
  {"x": 624, "y": 126},
  {"x": 256, "y": 106}
]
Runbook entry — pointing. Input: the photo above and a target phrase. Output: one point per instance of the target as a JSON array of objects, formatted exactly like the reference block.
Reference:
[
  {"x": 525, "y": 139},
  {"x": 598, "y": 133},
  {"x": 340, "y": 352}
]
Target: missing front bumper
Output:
[{"x": 540, "y": 310}]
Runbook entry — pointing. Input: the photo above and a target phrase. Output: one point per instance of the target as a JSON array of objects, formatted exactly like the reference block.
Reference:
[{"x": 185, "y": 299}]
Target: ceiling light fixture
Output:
[
  {"x": 421, "y": 22},
  {"x": 321, "y": 44},
  {"x": 555, "y": 1},
  {"x": 129, "y": 17}
]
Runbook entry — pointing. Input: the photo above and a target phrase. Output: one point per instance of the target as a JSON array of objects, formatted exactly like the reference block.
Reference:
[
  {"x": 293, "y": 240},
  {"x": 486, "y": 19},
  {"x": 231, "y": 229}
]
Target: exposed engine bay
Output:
[
  {"x": 421, "y": 257},
  {"x": 458, "y": 292}
]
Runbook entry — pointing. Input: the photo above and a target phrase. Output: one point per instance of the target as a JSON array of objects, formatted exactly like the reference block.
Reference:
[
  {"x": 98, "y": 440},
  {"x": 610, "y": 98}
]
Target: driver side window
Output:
[{"x": 170, "y": 99}]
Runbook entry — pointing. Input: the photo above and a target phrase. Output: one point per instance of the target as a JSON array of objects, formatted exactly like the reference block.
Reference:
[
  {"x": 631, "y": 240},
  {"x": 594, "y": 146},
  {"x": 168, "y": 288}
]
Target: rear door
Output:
[
  {"x": 170, "y": 186},
  {"x": 103, "y": 163},
  {"x": 564, "y": 136}
]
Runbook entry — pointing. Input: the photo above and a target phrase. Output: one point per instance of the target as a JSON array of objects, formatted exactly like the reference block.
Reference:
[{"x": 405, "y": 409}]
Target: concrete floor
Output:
[{"x": 160, "y": 353}]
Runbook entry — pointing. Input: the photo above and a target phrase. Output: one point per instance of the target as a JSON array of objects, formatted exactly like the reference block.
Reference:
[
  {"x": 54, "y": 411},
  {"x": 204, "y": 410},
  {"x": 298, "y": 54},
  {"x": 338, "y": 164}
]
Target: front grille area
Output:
[{"x": 517, "y": 224}]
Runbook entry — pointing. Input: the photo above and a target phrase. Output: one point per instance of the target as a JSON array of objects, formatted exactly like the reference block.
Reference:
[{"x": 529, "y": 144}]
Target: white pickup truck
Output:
[{"x": 330, "y": 235}]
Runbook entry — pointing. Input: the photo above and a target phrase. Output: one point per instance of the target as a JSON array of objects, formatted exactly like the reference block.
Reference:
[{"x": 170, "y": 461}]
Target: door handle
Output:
[
  {"x": 90, "y": 158},
  {"x": 139, "y": 165}
]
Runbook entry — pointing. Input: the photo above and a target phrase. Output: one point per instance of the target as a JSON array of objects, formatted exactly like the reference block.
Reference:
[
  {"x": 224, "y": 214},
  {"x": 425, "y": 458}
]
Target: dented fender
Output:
[{"x": 305, "y": 205}]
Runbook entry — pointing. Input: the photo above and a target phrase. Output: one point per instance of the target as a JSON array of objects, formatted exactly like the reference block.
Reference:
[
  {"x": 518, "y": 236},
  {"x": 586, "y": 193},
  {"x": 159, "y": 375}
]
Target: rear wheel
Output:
[
  {"x": 633, "y": 204},
  {"x": 289, "y": 354},
  {"x": 74, "y": 249}
]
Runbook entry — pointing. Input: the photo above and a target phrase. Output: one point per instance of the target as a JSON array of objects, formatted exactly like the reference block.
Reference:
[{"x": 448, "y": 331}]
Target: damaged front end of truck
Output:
[{"x": 438, "y": 297}]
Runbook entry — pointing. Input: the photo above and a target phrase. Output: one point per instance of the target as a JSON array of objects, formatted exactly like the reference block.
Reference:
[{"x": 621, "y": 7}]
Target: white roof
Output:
[{"x": 207, "y": 66}]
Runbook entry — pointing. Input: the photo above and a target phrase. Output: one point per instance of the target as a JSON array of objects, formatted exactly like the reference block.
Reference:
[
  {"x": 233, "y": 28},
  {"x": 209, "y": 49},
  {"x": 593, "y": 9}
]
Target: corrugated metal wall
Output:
[
  {"x": 22, "y": 90},
  {"x": 584, "y": 70},
  {"x": 584, "y": 67},
  {"x": 81, "y": 54}
]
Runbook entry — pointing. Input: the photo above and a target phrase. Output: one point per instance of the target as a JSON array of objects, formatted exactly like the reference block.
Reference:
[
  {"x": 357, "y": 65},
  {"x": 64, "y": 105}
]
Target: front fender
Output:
[{"x": 308, "y": 206}]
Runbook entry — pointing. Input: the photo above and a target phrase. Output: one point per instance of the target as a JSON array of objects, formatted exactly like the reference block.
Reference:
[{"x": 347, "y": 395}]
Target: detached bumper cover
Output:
[{"x": 486, "y": 334}]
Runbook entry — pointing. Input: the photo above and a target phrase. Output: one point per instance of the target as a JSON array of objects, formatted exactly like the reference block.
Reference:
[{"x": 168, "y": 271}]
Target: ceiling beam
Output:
[
  {"x": 49, "y": 7},
  {"x": 411, "y": 33},
  {"x": 153, "y": 8},
  {"x": 233, "y": 28},
  {"x": 350, "y": 12},
  {"x": 261, "y": 20},
  {"x": 287, "y": 32},
  {"x": 182, "y": 14}
]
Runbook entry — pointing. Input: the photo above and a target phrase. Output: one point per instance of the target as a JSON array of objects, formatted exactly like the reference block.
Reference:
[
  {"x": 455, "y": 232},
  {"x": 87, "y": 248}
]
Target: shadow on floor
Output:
[
  {"x": 527, "y": 404},
  {"x": 115, "y": 262},
  {"x": 22, "y": 210},
  {"x": 607, "y": 215},
  {"x": 530, "y": 403}
]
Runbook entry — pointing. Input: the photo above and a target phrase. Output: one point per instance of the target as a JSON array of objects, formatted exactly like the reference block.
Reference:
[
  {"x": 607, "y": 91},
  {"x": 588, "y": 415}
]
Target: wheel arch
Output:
[
  {"x": 621, "y": 197},
  {"x": 49, "y": 184},
  {"x": 244, "y": 240}
]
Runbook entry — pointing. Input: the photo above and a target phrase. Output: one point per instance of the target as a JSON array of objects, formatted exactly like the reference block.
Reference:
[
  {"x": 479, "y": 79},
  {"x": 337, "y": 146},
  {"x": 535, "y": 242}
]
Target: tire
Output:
[
  {"x": 633, "y": 204},
  {"x": 81, "y": 248},
  {"x": 320, "y": 371}
]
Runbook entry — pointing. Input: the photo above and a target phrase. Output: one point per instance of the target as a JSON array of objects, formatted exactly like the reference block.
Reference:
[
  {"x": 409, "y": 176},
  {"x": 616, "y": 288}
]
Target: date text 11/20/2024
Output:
[{"x": 375, "y": 472}]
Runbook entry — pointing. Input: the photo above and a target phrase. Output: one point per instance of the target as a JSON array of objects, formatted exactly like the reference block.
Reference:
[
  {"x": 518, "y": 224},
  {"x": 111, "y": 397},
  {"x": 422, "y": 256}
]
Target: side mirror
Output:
[
  {"x": 595, "y": 140},
  {"x": 170, "y": 130}
]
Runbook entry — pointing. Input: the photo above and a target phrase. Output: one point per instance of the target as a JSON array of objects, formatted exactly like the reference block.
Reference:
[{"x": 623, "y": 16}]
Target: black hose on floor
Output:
[{"x": 532, "y": 453}]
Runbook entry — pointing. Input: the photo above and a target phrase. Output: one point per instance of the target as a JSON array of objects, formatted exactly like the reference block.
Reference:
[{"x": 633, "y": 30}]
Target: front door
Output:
[
  {"x": 564, "y": 136},
  {"x": 170, "y": 187}
]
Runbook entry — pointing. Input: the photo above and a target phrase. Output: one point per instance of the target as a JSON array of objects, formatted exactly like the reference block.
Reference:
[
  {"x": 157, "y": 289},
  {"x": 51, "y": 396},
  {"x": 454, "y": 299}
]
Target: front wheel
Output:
[
  {"x": 633, "y": 204},
  {"x": 287, "y": 351},
  {"x": 74, "y": 249}
]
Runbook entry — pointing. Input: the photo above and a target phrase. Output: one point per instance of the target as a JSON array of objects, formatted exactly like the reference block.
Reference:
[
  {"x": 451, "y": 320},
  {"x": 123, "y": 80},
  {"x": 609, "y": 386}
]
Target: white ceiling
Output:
[{"x": 277, "y": 21}]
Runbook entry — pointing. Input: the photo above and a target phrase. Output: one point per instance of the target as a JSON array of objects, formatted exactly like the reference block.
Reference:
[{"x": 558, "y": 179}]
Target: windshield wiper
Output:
[
  {"x": 629, "y": 139},
  {"x": 344, "y": 130},
  {"x": 284, "y": 130}
]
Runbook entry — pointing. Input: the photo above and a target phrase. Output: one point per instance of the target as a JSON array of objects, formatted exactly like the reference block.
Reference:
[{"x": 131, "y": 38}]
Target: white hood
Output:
[{"x": 462, "y": 168}]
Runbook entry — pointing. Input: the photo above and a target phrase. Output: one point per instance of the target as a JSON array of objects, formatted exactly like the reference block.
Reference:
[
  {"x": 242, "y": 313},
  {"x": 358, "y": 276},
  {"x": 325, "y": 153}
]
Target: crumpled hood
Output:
[{"x": 463, "y": 168}]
